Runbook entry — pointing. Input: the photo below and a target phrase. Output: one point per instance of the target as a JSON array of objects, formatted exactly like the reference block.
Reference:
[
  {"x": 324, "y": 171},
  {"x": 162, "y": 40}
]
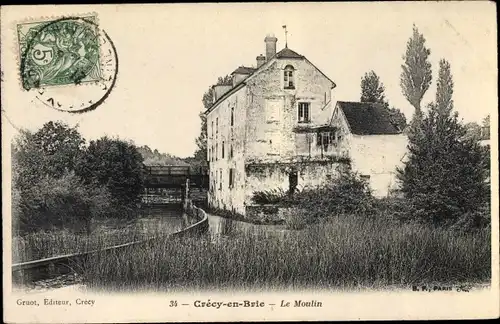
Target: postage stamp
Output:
[
  {"x": 69, "y": 63},
  {"x": 59, "y": 52}
]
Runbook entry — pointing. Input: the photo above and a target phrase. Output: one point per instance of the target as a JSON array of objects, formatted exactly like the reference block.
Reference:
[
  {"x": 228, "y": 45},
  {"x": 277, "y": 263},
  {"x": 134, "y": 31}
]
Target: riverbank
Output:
[
  {"x": 341, "y": 252},
  {"x": 105, "y": 233},
  {"x": 269, "y": 215}
]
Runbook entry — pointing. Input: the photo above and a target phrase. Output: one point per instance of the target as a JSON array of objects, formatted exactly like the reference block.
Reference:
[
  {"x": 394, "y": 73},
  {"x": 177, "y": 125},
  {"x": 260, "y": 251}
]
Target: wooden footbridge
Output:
[
  {"x": 167, "y": 184},
  {"x": 175, "y": 176}
]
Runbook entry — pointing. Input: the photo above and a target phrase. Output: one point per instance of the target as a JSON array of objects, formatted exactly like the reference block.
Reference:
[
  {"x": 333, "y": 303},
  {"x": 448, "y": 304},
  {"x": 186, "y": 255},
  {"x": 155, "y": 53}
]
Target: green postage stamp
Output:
[{"x": 59, "y": 52}]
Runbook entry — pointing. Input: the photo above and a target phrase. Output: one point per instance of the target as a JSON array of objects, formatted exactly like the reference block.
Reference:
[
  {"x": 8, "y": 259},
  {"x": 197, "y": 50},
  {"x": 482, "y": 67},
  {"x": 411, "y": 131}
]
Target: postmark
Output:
[{"x": 68, "y": 64}]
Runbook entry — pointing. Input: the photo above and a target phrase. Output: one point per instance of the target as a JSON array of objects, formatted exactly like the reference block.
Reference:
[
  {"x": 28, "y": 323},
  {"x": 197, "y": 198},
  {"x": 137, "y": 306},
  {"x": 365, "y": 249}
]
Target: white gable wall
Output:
[{"x": 378, "y": 156}]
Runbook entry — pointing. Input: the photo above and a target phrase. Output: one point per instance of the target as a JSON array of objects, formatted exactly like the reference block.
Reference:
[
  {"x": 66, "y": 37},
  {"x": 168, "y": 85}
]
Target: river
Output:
[
  {"x": 163, "y": 220},
  {"x": 220, "y": 226}
]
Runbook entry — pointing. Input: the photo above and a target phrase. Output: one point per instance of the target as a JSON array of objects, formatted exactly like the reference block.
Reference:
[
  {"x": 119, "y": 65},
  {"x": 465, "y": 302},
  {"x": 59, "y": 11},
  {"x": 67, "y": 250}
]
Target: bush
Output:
[
  {"x": 347, "y": 194},
  {"x": 392, "y": 208},
  {"x": 474, "y": 220},
  {"x": 272, "y": 196},
  {"x": 57, "y": 182},
  {"x": 59, "y": 202}
]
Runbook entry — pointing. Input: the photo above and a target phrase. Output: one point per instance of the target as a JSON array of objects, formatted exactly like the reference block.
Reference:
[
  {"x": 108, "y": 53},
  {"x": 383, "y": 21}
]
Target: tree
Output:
[
  {"x": 116, "y": 165},
  {"x": 63, "y": 202},
  {"x": 473, "y": 130},
  {"x": 486, "y": 121},
  {"x": 485, "y": 134},
  {"x": 46, "y": 192},
  {"x": 416, "y": 76},
  {"x": 444, "y": 92},
  {"x": 157, "y": 158},
  {"x": 444, "y": 176},
  {"x": 372, "y": 90},
  {"x": 480, "y": 132},
  {"x": 53, "y": 150},
  {"x": 398, "y": 118},
  {"x": 200, "y": 154}
]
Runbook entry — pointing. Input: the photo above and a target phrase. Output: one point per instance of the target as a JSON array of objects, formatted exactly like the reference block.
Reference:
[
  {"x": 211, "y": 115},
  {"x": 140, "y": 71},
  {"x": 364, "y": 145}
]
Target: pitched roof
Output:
[
  {"x": 288, "y": 53},
  {"x": 244, "y": 70},
  {"x": 367, "y": 118},
  {"x": 284, "y": 53}
]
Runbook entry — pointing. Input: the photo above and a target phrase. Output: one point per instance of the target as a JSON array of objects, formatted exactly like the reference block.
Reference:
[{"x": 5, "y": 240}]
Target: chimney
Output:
[
  {"x": 219, "y": 90},
  {"x": 270, "y": 46},
  {"x": 261, "y": 59}
]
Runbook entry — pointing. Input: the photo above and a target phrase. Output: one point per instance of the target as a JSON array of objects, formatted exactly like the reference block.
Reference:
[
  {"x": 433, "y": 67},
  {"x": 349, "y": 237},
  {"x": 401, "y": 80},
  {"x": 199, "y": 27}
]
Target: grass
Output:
[
  {"x": 106, "y": 233},
  {"x": 345, "y": 252}
]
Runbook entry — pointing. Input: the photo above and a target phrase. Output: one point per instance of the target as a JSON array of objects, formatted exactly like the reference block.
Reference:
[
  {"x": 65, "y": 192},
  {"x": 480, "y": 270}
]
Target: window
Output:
[
  {"x": 232, "y": 116},
  {"x": 231, "y": 178},
  {"x": 304, "y": 112},
  {"x": 217, "y": 126},
  {"x": 216, "y": 151},
  {"x": 231, "y": 151},
  {"x": 325, "y": 139},
  {"x": 212, "y": 128},
  {"x": 288, "y": 77},
  {"x": 222, "y": 150},
  {"x": 220, "y": 182}
]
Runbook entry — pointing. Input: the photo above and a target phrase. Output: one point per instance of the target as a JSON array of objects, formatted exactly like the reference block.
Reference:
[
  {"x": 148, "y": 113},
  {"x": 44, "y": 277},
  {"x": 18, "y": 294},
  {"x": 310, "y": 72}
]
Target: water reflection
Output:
[
  {"x": 225, "y": 227},
  {"x": 161, "y": 220}
]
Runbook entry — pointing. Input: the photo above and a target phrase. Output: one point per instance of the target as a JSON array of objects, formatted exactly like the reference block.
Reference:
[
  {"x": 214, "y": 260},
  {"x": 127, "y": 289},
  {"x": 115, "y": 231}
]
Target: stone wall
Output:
[
  {"x": 273, "y": 111},
  {"x": 265, "y": 116},
  {"x": 260, "y": 177},
  {"x": 232, "y": 138}
]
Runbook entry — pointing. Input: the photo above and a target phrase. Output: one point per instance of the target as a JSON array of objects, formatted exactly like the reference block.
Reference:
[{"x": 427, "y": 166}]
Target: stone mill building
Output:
[{"x": 279, "y": 125}]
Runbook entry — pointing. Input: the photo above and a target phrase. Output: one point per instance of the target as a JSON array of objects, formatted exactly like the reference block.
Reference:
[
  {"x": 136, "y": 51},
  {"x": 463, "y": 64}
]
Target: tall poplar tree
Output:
[
  {"x": 416, "y": 76},
  {"x": 444, "y": 176}
]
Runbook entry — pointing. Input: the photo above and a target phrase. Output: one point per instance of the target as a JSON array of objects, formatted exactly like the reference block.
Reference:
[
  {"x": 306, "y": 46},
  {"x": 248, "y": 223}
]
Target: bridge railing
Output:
[
  {"x": 175, "y": 170},
  {"x": 175, "y": 176}
]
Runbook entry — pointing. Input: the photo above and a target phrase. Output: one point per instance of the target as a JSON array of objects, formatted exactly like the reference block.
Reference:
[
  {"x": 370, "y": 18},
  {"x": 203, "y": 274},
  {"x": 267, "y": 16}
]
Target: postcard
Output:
[{"x": 249, "y": 162}]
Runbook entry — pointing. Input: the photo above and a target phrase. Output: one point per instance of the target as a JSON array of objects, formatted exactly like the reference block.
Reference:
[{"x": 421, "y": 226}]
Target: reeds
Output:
[
  {"x": 106, "y": 233},
  {"x": 345, "y": 252}
]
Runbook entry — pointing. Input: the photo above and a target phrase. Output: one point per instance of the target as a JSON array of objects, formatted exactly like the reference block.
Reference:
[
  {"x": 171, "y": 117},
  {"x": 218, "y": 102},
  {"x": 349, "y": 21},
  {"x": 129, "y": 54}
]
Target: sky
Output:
[{"x": 170, "y": 54}]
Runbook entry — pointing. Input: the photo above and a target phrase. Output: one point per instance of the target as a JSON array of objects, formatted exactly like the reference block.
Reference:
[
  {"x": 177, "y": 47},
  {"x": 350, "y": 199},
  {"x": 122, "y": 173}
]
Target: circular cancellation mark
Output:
[{"x": 69, "y": 64}]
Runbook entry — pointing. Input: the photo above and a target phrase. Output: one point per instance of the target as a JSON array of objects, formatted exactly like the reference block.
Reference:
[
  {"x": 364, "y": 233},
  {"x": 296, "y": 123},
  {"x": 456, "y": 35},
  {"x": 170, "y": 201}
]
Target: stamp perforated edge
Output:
[{"x": 30, "y": 20}]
